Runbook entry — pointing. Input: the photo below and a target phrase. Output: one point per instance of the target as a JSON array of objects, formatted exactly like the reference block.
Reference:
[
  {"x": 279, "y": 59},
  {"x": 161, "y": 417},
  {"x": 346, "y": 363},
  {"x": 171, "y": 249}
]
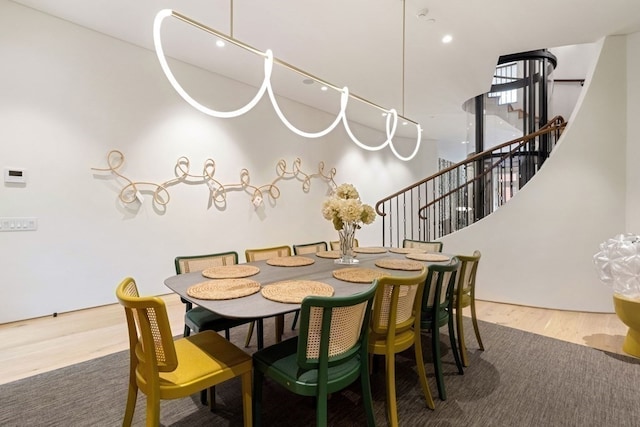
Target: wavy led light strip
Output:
[
  {"x": 392, "y": 115},
  {"x": 217, "y": 191}
]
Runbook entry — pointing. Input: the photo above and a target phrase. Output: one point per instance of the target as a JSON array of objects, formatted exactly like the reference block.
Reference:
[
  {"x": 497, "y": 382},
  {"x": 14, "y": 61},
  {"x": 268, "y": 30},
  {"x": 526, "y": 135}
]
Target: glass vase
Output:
[{"x": 347, "y": 237}]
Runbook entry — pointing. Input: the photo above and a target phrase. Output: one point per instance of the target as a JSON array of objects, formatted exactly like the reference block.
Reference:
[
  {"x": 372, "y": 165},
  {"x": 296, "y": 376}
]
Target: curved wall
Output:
[{"x": 538, "y": 248}]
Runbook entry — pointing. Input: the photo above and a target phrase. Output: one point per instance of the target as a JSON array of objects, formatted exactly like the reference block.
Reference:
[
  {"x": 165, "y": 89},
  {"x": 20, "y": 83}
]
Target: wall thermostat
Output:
[{"x": 15, "y": 175}]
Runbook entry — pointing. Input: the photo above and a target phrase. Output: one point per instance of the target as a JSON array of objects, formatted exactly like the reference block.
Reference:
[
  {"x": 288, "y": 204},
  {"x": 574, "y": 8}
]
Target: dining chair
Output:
[
  {"x": 335, "y": 244},
  {"x": 199, "y": 319},
  {"x": 428, "y": 246},
  {"x": 304, "y": 249},
  {"x": 395, "y": 327},
  {"x": 261, "y": 254},
  {"x": 166, "y": 369},
  {"x": 465, "y": 296},
  {"x": 437, "y": 311},
  {"x": 329, "y": 354}
]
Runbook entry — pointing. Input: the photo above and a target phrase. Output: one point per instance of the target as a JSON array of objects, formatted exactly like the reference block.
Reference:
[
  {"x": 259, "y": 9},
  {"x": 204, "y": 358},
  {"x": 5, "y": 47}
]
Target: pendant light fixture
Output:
[{"x": 345, "y": 96}]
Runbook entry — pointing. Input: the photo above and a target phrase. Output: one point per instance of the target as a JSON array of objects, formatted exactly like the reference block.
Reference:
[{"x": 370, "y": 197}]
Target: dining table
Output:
[{"x": 258, "y": 307}]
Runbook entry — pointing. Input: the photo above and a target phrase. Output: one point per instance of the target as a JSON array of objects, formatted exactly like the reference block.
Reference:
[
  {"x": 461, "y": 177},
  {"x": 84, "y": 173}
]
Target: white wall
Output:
[
  {"x": 70, "y": 95},
  {"x": 537, "y": 249},
  {"x": 633, "y": 142}
]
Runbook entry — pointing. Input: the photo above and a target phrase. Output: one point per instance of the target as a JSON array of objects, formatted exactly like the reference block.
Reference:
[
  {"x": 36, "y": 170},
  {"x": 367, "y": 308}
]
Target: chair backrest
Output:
[
  {"x": 438, "y": 292},
  {"x": 187, "y": 264},
  {"x": 397, "y": 304},
  {"x": 333, "y": 330},
  {"x": 150, "y": 338},
  {"x": 309, "y": 248},
  {"x": 335, "y": 244},
  {"x": 266, "y": 253},
  {"x": 428, "y": 246},
  {"x": 467, "y": 273}
]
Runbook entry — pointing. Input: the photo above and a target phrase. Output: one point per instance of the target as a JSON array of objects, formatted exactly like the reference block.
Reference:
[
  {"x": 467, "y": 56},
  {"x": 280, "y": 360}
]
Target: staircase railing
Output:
[{"x": 466, "y": 192}]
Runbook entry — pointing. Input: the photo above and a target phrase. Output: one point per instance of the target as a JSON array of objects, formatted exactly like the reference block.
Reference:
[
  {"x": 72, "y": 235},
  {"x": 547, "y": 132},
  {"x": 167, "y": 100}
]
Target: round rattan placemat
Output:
[
  {"x": 399, "y": 264},
  {"x": 407, "y": 250},
  {"x": 328, "y": 254},
  {"x": 230, "y": 271},
  {"x": 223, "y": 289},
  {"x": 357, "y": 274},
  {"x": 428, "y": 257},
  {"x": 369, "y": 250},
  {"x": 290, "y": 261},
  {"x": 294, "y": 291}
]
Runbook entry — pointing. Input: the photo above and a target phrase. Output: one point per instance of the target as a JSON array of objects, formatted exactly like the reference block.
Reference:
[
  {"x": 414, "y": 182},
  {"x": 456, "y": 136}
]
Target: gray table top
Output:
[{"x": 257, "y": 306}]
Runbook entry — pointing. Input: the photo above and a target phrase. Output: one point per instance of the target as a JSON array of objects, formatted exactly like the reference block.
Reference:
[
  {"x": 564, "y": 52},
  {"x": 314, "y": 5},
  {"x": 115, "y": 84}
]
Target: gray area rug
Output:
[{"x": 521, "y": 379}]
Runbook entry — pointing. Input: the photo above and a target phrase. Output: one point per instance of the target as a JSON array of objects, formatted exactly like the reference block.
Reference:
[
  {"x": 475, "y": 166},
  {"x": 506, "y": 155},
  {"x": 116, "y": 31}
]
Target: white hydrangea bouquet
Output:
[{"x": 347, "y": 213}]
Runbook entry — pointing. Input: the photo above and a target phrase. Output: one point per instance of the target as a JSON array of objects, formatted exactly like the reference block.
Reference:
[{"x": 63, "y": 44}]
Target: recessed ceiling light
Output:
[
  {"x": 324, "y": 88},
  {"x": 405, "y": 123},
  {"x": 219, "y": 43},
  {"x": 447, "y": 38}
]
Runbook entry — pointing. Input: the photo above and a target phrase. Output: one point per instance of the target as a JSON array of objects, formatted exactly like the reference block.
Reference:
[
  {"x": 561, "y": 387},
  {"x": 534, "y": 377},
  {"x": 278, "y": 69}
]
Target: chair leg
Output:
[
  {"x": 187, "y": 331},
  {"x": 461, "y": 344},
  {"x": 279, "y": 327},
  {"x": 153, "y": 409},
  {"x": 246, "y": 399},
  {"x": 367, "y": 399},
  {"x": 227, "y": 335},
  {"x": 392, "y": 405},
  {"x": 474, "y": 319},
  {"x": 321, "y": 406},
  {"x": 437, "y": 362},
  {"x": 422, "y": 373},
  {"x": 247, "y": 340},
  {"x": 454, "y": 346},
  {"x": 211, "y": 394},
  {"x": 295, "y": 320},
  {"x": 256, "y": 404},
  {"x": 132, "y": 396}
]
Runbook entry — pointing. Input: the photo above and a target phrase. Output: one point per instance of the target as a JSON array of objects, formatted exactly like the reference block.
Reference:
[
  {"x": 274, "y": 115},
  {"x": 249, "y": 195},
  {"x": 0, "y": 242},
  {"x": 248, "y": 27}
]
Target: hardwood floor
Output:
[{"x": 39, "y": 345}]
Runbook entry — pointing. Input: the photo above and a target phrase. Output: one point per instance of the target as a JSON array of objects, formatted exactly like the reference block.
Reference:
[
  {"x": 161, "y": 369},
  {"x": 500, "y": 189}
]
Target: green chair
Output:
[
  {"x": 198, "y": 319},
  {"x": 329, "y": 353},
  {"x": 465, "y": 296},
  {"x": 262, "y": 254},
  {"x": 428, "y": 246},
  {"x": 437, "y": 311},
  {"x": 395, "y": 327},
  {"x": 304, "y": 249}
]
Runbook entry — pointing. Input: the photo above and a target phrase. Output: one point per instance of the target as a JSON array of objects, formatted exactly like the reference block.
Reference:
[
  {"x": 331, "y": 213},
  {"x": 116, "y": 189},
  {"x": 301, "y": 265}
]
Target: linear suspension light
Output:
[{"x": 391, "y": 114}]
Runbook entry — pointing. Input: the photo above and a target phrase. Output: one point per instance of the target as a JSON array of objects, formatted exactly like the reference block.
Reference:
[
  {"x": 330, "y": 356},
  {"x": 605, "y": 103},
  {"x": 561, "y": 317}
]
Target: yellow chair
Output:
[
  {"x": 428, "y": 246},
  {"x": 166, "y": 369},
  {"x": 262, "y": 254},
  {"x": 309, "y": 248},
  {"x": 465, "y": 296},
  {"x": 395, "y": 327},
  {"x": 335, "y": 244}
]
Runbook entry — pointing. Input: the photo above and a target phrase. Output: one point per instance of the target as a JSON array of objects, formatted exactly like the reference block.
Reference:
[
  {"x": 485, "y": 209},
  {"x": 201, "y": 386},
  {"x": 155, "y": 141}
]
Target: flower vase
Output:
[{"x": 347, "y": 238}]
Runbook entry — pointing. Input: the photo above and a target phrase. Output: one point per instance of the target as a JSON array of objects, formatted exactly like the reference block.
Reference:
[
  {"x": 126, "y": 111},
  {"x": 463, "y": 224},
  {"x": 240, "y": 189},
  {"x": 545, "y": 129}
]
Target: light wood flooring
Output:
[{"x": 39, "y": 345}]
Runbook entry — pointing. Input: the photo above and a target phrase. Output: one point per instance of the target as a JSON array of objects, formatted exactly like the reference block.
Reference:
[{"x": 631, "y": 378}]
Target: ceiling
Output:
[{"x": 366, "y": 44}]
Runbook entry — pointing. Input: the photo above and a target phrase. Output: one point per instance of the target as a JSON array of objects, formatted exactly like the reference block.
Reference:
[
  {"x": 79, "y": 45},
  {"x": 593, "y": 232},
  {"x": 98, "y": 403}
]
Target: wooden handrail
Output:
[{"x": 554, "y": 124}]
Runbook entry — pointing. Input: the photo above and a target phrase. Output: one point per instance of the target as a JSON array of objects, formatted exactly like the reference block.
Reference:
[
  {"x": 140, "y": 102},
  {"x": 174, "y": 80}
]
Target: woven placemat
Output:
[
  {"x": 357, "y": 274},
  {"x": 428, "y": 257},
  {"x": 290, "y": 261},
  {"x": 399, "y": 264},
  {"x": 369, "y": 250},
  {"x": 328, "y": 254},
  {"x": 294, "y": 291},
  {"x": 230, "y": 271},
  {"x": 223, "y": 289},
  {"x": 407, "y": 250}
]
